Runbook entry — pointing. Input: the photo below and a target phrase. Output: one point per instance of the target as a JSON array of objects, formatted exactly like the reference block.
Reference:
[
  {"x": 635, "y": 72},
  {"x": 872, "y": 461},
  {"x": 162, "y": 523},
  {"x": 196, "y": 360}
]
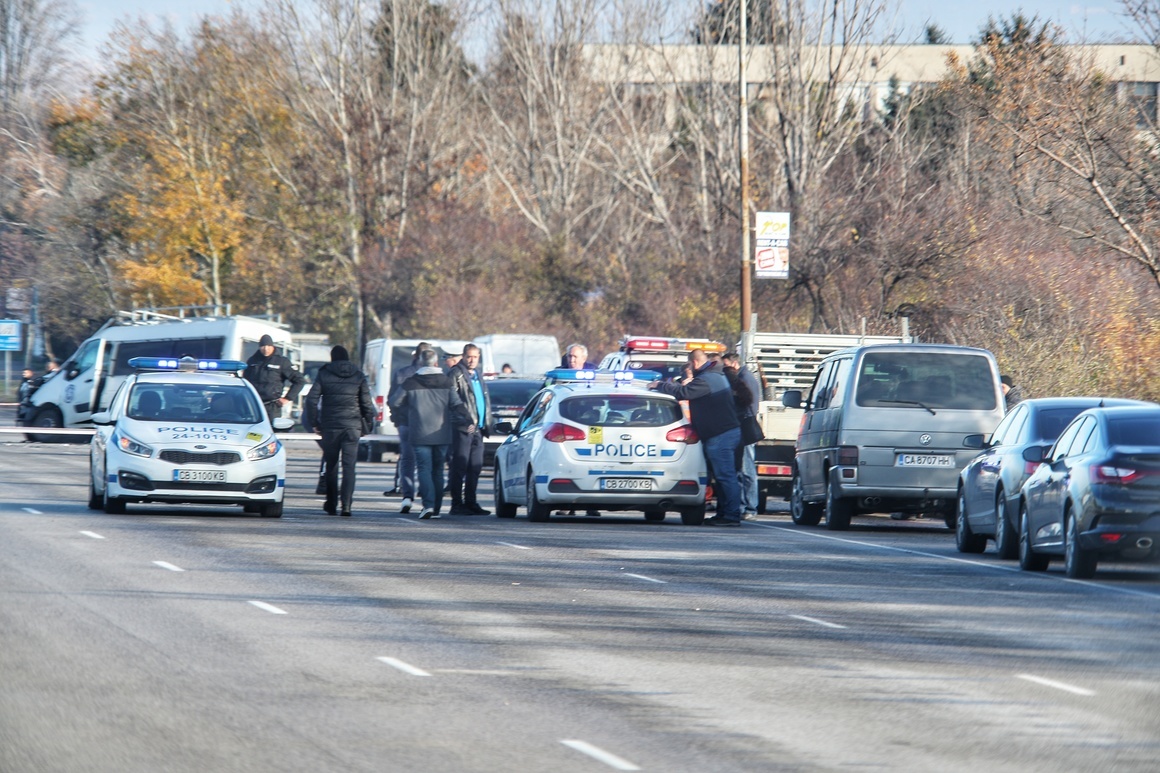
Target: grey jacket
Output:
[{"x": 431, "y": 406}]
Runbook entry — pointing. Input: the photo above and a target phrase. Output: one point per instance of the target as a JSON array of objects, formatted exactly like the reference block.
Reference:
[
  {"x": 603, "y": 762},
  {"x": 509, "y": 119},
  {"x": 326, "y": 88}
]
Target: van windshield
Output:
[{"x": 926, "y": 379}]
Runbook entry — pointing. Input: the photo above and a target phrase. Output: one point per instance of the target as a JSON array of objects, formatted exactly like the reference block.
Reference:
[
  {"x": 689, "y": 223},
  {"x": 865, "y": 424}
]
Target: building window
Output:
[{"x": 1144, "y": 100}]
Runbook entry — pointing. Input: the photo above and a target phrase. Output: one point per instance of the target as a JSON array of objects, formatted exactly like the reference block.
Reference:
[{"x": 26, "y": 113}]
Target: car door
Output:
[
  {"x": 81, "y": 374},
  {"x": 984, "y": 471},
  {"x": 527, "y": 434},
  {"x": 1059, "y": 481},
  {"x": 1045, "y": 509},
  {"x": 811, "y": 451}
]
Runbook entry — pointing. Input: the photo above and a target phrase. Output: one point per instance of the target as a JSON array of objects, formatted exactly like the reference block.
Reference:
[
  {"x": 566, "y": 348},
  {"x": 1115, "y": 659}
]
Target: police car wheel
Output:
[
  {"x": 96, "y": 501},
  {"x": 271, "y": 510},
  {"x": 537, "y": 510},
  {"x": 113, "y": 505},
  {"x": 503, "y": 508},
  {"x": 693, "y": 516},
  {"x": 655, "y": 516}
]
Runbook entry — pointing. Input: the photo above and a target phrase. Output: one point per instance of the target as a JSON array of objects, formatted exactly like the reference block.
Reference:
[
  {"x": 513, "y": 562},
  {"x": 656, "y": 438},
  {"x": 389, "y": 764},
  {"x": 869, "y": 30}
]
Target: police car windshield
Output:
[
  {"x": 621, "y": 410},
  {"x": 225, "y": 404},
  {"x": 669, "y": 369}
]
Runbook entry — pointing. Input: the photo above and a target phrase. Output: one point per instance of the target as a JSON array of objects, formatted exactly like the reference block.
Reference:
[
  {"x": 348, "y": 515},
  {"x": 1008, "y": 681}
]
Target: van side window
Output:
[
  {"x": 837, "y": 386},
  {"x": 85, "y": 357},
  {"x": 819, "y": 396}
]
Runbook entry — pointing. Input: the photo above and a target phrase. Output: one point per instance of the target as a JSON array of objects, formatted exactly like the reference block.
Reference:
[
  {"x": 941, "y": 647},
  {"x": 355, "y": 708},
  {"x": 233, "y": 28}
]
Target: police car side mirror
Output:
[
  {"x": 792, "y": 398},
  {"x": 281, "y": 425},
  {"x": 504, "y": 428},
  {"x": 102, "y": 418}
]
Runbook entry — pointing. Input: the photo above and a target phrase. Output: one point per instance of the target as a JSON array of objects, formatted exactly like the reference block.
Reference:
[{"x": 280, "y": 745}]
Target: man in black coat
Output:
[
  {"x": 467, "y": 442},
  {"x": 269, "y": 373},
  {"x": 340, "y": 409}
]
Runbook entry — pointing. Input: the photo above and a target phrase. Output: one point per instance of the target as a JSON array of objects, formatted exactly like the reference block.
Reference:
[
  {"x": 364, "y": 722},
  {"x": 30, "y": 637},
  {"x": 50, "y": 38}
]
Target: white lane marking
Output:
[
  {"x": 32, "y": 510},
  {"x": 169, "y": 566},
  {"x": 596, "y": 753},
  {"x": 1057, "y": 685},
  {"x": 817, "y": 621},
  {"x": 273, "y": 610},
  {"x": 406, "y": 668},
  {"x": 513, "y": 545},
  {"x": 92, "y": 534},
  {"x": 647, "y": 579},
  {"x": 998, "y": 567}
]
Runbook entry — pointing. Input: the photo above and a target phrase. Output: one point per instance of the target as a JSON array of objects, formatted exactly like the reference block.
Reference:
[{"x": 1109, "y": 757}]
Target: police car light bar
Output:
[
  {"x": 672, "y": 344},
  {"x": 185, "y": 364},
  {"x": 602, "y": 376}
]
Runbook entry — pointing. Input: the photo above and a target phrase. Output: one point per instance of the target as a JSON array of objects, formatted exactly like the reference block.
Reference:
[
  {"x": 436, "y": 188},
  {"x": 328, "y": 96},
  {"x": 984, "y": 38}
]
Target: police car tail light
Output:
[
  {"x": 265, "y": 451},
  {"x": 685, "y": 434},
  {"x": 562, "y": 433},
  {"x": 131, "y": 446}
]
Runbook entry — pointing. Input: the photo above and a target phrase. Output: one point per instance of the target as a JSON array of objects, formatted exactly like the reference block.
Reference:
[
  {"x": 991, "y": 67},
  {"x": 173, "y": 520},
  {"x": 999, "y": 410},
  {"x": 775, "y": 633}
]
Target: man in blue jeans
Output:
[
  {"x": 432, "y": 407},
  {"x": 711, "y": 412}
]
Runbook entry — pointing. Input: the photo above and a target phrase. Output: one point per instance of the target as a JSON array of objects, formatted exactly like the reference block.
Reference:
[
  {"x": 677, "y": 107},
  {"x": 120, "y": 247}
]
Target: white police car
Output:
[
  {"x": 187, "y": 431},
  {"x": 596, "y": 439}
]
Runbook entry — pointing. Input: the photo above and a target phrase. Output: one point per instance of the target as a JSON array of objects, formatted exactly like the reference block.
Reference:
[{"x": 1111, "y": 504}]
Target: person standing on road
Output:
[
  {"x": 24, "y": 394},
  {"x": 270, "y": 373},
  {"x": 406, "y": 466},
  {"x": 467, "y": 442},
  {"x": 715, "y": 420},
  {"x": 432, "y": 409},
  {"x": 341, "y": 410},
  {"x": 747, "y": 471}
]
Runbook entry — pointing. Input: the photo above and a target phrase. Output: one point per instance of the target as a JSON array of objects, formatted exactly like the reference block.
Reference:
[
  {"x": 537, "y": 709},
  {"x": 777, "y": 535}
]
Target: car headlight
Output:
[
  {"x": 265, "y": 451},
  {"x": 131, "y": 446}
]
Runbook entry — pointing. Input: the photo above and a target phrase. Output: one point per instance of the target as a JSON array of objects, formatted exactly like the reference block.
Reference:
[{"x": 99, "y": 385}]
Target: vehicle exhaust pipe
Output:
[
  {"x": 872, "y": 501},
  {"x": 665, "y": 504},
  {"x": 1144, "y": 543}
]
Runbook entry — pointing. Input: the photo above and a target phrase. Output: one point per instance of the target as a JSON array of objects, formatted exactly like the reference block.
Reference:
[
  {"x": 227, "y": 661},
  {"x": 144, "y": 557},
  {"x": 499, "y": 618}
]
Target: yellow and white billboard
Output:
[{"x": 771, "y": 245}]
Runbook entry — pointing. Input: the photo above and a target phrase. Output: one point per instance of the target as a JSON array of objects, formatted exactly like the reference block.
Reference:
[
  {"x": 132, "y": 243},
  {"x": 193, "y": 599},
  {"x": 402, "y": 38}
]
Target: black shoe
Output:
[
  {"x": 345, "y": 513},
  {"x": 330, "y": 508},
  {"x": 475, "y": 509},
  {"x": 717, "y": 520},
  {"x": 459, "y": 509}
]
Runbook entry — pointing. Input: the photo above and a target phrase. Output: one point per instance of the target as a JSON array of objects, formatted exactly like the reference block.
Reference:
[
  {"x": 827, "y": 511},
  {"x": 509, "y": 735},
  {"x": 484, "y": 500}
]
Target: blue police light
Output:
[
  {"x": 602, "y": 376},
  {"x": 185, "y": 364}
]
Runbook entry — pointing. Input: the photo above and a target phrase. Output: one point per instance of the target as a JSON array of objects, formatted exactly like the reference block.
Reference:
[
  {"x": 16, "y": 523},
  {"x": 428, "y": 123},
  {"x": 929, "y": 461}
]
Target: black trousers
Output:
[
  {"x": 466, "y": 464},
  {"x": 334, "y": 443}
]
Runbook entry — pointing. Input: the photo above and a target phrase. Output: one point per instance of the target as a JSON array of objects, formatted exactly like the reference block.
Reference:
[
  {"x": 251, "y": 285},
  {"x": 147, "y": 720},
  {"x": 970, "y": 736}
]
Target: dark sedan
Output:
[
  {"x": 1096, "y": 494},
  {"x": 988, "y": 505},
  {"x": 509, "y": 395}
]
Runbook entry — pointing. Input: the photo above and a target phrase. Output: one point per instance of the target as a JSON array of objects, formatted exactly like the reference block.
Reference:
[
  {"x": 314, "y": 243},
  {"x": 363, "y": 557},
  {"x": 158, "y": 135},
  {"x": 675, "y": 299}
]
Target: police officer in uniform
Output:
[{"x": 270, "y": 373}]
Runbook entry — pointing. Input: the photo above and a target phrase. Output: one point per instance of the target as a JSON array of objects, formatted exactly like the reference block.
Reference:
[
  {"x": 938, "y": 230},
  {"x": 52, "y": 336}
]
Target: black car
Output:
[
  {"x": 508, "y": 396},
  {"x": 988, "y": 503},
  {"x": 1096, "y": 494}
]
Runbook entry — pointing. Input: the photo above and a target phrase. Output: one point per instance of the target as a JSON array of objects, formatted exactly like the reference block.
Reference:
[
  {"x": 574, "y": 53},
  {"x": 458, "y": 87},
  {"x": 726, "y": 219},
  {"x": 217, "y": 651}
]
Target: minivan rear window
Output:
[
  {"x": 621, "y": 410},
  {"x": 926, "y": 379}
]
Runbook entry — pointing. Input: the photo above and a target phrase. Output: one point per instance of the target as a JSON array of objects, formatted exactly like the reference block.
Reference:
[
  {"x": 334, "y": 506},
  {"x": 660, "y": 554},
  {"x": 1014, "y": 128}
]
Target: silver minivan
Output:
[{"x": 888, "y": 427}]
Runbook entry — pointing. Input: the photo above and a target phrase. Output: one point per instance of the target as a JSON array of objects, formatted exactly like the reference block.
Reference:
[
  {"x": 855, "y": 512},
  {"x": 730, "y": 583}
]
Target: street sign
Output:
[
  {"x": 771, "y": 252},
  {"x": 10, "y": 335}
]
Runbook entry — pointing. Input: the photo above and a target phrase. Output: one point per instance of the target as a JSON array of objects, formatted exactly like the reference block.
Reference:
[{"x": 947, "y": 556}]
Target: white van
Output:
[
  {"x": 88, "y": 379},
  {"x": 382, "y": 359},
  {"x": 527, "y": 353}
]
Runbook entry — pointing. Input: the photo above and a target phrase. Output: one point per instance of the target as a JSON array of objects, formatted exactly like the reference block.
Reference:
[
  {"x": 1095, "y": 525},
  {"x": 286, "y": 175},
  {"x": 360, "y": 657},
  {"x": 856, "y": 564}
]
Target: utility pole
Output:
[{"x": 743, "y": 144}]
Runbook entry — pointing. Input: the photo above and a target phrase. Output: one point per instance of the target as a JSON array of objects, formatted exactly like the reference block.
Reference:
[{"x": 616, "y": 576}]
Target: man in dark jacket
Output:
[
  {"x": 405, "y": 468},
  {"x": 432, "y": 409},
  {"x": 269, "y": 373},
  {"x": 340, "y": 409},
  {"x": 713, "y": 416},
  {"x": 467, "y": 443}
]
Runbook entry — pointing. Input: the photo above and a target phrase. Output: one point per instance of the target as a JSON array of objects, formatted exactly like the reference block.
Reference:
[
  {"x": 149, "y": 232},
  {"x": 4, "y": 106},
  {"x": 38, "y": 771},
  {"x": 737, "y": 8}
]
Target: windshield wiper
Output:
[{"x": 911, "y": 402}]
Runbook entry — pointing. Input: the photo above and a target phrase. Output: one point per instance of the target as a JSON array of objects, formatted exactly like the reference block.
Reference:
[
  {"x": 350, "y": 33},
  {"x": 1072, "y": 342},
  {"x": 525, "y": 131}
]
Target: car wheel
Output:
[
  {"x": 839, "y": 511},
  {"x": 966, "y": 541},
  {"x": 762, "y": 502},
  {"x": 802, "y": 512},
  {"x": 1006, "y": 540},
  {"x": 47, "y": 417},
  {"x": 96, "y": 501},
  {"x": 1029, "y": 560},
  {"x": 113, "y": 505},
  {"x": 693, "y": 516},
  {"x": 1078, "y": 563},
  {"x": 503, "y": 508},
  {"x": 375, "y": 453},
  {"x": 656, "y": 516},
  {"x": 537, "y": 510},
  {"x": 271, "y": 510}
]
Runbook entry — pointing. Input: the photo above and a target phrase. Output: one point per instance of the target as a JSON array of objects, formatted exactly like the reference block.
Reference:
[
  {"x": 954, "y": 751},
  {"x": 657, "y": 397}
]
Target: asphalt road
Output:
[{"x": 197, "y": 639}]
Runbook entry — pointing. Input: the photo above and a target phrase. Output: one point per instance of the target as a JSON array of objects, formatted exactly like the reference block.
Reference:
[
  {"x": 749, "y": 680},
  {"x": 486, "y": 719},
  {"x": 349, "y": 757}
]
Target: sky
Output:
[{"x": 1093, "y": 21}]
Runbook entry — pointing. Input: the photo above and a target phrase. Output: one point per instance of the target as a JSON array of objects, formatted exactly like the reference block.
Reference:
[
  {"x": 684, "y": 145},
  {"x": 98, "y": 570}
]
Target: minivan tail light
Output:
[
  {"x": 562, "y": 433},
  {"x": 683, "y": 434},
  {"x": 848, "y": 456}
]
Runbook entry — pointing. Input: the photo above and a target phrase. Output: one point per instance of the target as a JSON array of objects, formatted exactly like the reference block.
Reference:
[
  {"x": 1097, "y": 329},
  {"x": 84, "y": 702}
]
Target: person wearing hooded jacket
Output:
[
  {"x": 340, "y": 409},
  {"x": 269, "y": 373}
]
